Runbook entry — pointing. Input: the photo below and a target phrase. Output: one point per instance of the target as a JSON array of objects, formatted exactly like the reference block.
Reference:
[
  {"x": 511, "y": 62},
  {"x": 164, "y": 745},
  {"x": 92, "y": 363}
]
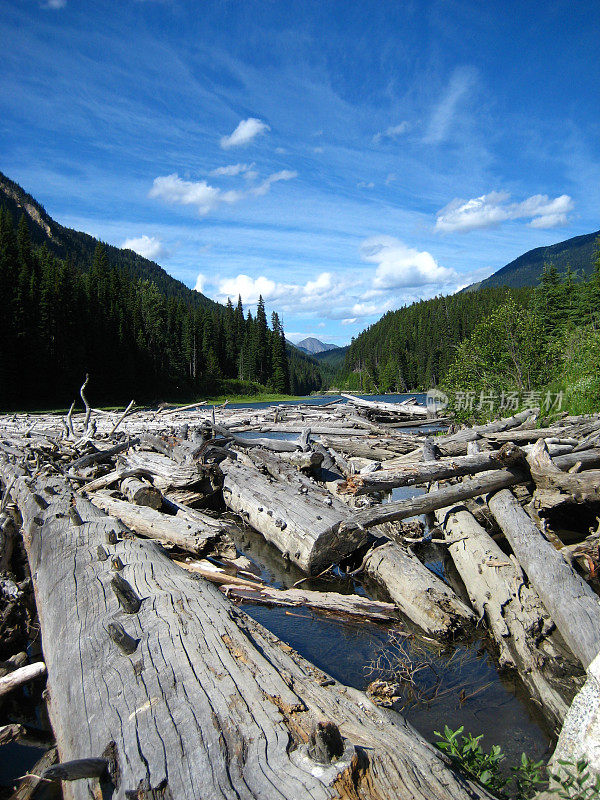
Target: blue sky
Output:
[{"x": 341, "y": 158}]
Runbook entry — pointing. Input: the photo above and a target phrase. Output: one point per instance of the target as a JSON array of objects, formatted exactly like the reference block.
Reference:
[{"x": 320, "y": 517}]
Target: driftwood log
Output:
[
  {"x": 301, "y": 522},
  {"x": 197, "y": 534},
  {"x": 426, "y": 503},
  {"x": 418, "y": 593},
  {"x": 187, "y": 697},
  {"x": 430, "y": 471},
  {"x": 515, "y": 616},
  {"x": 573, "y": 606}
]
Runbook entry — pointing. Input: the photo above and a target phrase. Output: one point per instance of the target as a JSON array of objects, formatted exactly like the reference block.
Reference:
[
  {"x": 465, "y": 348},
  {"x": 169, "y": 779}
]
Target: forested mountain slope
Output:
[
  {"x": 411, "y": 348},
  {"x": 526, "y": 270},
  {"x": 137, "y": 331},
  {"x": 79, "y": 247}
]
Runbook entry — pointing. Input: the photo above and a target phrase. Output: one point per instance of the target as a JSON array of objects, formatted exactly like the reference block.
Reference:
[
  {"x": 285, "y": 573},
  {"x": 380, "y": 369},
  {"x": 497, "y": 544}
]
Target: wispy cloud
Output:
[
  {"x": 492, "y": 209},
  {"x": 232, "y": 169},
  {"x": 54, "y": 5},
  {"x": 201, "y": 282},
  {"x": 147, "y": 246},
  {"x": 174, "y": 190},
  {"x": 246, "y": 131},
  {"x": 461, "y": 83},
  {"x": 365, "y": 185},
  {"x": 392, "y": 132},
  {"x": 283, "y": 175},
  {"x": 399, "y": 266}
]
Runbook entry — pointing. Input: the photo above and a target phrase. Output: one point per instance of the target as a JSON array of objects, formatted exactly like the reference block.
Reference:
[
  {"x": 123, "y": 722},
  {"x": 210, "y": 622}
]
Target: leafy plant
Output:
[
  {"x": 575, "y": 781},
  {"x": 467, "y": 752},
  {"x": 527, "y": 777}
]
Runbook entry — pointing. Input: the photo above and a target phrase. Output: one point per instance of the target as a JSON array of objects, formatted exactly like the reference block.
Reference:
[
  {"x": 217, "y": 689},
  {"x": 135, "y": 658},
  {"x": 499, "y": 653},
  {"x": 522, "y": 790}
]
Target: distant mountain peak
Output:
[{"x": 312, "y": 345}]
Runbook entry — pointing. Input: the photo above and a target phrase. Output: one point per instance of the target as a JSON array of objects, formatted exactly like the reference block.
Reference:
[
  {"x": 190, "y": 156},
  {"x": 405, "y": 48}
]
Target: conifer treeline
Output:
[
  {"x": 412, "y": 347},
  {"x": 416, "y": 346},
  {"x": 59, "y": 322}
]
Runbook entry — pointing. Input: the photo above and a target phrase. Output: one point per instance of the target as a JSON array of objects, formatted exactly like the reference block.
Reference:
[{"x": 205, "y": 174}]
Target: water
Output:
[
  {"x": 455, "y": 684},
  {"x": 351, "y": 651},
  {"x": 319, "y": 400}
]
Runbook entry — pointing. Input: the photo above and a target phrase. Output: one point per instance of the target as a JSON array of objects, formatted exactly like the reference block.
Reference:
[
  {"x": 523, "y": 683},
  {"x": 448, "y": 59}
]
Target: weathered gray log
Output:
[
  {"x": 528, "y": 435},
  {"x": 430, "y": 471},
  {"x": 307, "y": 462},
  {"x": 20, "y": 676},
  {"x": 166, "y": 474},
  {"x": 554, "y": 487},
  {"x": 8, "y": 532},
  {"x": 278, "y": 445},
  {"x": 365, "y": 449},
  {"x": 573, "y": 606},
  {"x": 301, "y": 522},
  {"x": 198, "y": 536},
  {"x": 424, "y": 504},
  {"x": 210, "y": 705},
  {"x": 101, "y": 456},
  {"x": 401, "y": 409},
  {"x": 141, "y": 492},
  {"x": 418, "y": 593},
  {"x": 516, "y": 618}
]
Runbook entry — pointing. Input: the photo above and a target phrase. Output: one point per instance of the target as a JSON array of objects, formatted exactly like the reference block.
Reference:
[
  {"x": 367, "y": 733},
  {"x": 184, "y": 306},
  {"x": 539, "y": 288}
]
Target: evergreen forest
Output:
[{"x": 62, "y": 320}]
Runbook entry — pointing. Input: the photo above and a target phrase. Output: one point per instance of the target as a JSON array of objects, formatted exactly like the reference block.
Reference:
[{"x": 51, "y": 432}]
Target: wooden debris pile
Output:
[{"x": 137, "y": 578}]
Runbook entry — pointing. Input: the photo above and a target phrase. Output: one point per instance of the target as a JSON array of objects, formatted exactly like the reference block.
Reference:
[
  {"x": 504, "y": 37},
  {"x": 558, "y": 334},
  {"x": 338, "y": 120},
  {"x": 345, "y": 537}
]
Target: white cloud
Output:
[
  {"x": 172, "y": 189},
  {"x": 245, "y": 132},
  {"x": 461, "y": 83},
  {"x": 318, "y": 150},
  {"x": 493, "y": 208},
  {"x": 232, "y": 169},
  {"x": 147, "y": 246},
  {"x": 349, "y": 320},
  {"x": 392, "y": 132},
  {"x": 54, "y": 4},
  {"x": 289, "y": 296},
  {"x": 283, "y": 175},
  {"x": 399, "y": 266},
  {"x": 365, "y": 185},
  {"x": 200, "y": 282},
  {"x": 249, "y": 288}
]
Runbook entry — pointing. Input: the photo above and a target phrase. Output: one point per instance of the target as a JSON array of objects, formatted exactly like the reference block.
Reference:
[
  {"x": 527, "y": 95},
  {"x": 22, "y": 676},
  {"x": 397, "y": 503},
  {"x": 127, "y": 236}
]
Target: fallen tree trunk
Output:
[
  {"x": 140, "y": 492},
  {"x": 570, "y": 602},
  {"x": 418, "y": 593},
  {"x": 554, "y": 487},
  {"x": 301, "y": 522},
  {"x": 187, "y": 697},
  {"x": 196, "y": 536},
  {"x": 401, "y": 409},
  {"x": 431, "y": 471},
  {"x": 426, "y": 503},
  {"x": 20, "y": 676},
  {"x": 516, "y": 618}
]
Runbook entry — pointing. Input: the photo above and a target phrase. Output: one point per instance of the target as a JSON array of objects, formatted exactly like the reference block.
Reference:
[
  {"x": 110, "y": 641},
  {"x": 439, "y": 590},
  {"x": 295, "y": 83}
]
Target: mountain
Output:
[
  {"x": 333, "y": 357},
  {"x": 578, "y": 253},
  {"x": 314, "y": 346},
  {"x": 74, "y": 306},
  {"x": 79, "y": 247}
]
